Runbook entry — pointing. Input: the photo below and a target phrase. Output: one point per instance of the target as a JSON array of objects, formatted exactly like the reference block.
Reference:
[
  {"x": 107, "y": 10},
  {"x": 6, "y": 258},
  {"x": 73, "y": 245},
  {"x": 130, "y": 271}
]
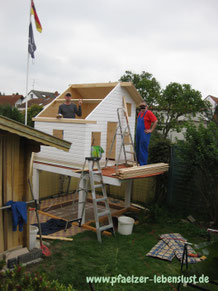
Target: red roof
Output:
[
  {"x": 214, "y": 99},
  {"x": 10, "y": 99}
]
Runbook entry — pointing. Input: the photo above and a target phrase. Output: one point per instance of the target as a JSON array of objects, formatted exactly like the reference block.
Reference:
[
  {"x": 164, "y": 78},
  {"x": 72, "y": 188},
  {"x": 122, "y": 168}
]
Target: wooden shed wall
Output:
[{"x": 14, "y": 166}]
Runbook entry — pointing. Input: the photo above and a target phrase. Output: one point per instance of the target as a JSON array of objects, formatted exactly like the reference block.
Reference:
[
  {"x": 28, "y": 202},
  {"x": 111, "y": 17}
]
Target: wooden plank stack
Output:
[{"x": 138, "y": 171}]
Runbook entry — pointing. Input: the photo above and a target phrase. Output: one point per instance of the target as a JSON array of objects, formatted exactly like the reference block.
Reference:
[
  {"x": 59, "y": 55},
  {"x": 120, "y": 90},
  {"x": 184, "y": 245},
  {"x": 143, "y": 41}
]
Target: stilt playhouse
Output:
[
  {"x": 17, "y": 142},
  {"x": 96, "y": 126}
]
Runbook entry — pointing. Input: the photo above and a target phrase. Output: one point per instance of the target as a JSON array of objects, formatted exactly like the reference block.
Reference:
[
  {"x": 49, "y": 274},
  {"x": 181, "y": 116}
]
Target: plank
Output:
[
  {"x": 55, "y": 237},
  {"x": 64, "y": 120},
  {"x": 142, "y": 170}
]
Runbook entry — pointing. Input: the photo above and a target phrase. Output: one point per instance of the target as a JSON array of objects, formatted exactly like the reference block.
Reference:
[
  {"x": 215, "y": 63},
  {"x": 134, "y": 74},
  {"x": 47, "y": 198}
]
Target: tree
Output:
[
  {"x": 32, "y": 112},
  {"x": 146, "y": 84},
  {"x": 11, "y": 112},
  {"x": 176, "y": 101},
  {"x": 170, "y": 104}
]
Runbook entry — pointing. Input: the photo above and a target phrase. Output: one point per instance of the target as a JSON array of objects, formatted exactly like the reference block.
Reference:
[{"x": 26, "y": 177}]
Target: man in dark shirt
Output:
[{"x": 68, "y": 109}]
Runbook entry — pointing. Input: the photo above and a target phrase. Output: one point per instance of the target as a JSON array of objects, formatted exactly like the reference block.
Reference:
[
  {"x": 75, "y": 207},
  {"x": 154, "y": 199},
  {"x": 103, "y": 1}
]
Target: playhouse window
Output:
[
  {"x": 58, "y": 133},
  {"x": 96, "y": 138},
  {"x": 129, "y": 108}
]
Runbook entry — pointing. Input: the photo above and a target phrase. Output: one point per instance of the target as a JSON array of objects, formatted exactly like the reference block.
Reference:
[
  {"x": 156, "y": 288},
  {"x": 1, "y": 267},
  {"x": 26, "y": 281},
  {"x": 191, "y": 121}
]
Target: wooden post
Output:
[
  {"x": 128, "y": 192},
  {"x": 82, "y": 197},
  {"x": 36, "y": 183}
]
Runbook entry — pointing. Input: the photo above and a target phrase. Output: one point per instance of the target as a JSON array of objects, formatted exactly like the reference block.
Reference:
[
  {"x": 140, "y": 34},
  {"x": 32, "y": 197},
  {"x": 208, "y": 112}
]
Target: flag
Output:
[
  {"x": 31, "y": 44},
  {"x": 37, "y": 22}
]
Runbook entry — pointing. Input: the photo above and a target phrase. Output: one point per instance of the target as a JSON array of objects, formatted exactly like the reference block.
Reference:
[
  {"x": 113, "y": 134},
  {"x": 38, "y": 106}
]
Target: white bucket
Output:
[
  {"x": 33, "y": 233},
  {"x": 125, "y": 225}
]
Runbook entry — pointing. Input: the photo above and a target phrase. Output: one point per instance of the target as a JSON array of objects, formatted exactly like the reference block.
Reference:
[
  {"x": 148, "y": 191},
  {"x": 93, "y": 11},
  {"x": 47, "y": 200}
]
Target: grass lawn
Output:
[{"x": 71, "y": 262}]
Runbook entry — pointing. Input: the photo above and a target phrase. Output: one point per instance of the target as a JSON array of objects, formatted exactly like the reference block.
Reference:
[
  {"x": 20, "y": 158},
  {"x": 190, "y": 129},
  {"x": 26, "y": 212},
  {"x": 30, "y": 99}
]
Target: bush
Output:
[
  {"x": 199, "y": 152},
  {"x": 18, "y": 279},
  {"x": 159, "y": 152},
  {"x": 12, "y": 113}
]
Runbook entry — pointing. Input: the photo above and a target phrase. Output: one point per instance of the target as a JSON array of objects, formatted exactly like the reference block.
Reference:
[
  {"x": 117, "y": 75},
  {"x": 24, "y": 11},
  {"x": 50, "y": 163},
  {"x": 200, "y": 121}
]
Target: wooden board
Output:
[
  {"x": 111, "y": 130},
  {"x": 137, "y": 171},
  {"x": 96, "y": 138}
]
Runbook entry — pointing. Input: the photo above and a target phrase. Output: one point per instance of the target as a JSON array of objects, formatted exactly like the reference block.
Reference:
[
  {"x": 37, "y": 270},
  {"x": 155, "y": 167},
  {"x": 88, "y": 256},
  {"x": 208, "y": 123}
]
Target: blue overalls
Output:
[{"x": 142, "y": 141}]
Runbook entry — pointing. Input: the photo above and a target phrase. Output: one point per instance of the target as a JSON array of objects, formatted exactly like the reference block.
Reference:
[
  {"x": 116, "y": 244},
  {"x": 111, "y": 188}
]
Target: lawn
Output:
[{"x": 71, "y": 262}]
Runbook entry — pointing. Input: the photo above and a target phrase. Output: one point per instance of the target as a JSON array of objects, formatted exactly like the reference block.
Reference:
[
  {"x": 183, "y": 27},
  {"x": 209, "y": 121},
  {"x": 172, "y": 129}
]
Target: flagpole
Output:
[{"x": 27, "y": 70}]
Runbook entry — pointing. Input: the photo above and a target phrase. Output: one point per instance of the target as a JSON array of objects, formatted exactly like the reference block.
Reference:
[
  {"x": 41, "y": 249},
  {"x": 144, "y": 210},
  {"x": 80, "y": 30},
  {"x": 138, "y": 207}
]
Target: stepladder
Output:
[
  {"x": 127, "y": 144},
  {"x": 91, "y": 179}
]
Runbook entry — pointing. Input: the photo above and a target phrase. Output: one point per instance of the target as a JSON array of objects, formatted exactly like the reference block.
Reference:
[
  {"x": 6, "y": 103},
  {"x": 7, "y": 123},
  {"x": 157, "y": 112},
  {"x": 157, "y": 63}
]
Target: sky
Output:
[{"x": 93, "y": 41}]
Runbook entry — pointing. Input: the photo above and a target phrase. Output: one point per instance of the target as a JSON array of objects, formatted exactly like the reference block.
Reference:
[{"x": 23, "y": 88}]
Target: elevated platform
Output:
[{"x": 109, "y": 174}]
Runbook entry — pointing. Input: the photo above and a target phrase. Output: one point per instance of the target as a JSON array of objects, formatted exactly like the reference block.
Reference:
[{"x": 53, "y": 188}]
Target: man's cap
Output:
[{"x": 68, "y": 94}]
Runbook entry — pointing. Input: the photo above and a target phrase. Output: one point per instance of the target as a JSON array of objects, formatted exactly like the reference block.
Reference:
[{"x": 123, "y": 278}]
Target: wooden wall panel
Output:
[
  {"x": 12, "y": 188},
  {"x": 111, "y": 129}
]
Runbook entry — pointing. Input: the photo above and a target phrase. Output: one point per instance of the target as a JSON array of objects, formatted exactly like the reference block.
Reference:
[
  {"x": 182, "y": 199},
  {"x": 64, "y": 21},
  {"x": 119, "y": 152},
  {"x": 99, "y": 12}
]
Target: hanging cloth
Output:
[{"x": 19, "y": 214}]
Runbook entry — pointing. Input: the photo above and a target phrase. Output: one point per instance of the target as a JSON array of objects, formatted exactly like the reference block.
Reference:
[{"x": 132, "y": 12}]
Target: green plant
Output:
[
  {"x": 199, "y": 153},
  {"x": 11, "y": 112},
  {"x": 32, "y": 112},
  {"x": 159, "y": 152},
  {"x": 2, "y": 264},
  {"x": 19, "y": 279}
]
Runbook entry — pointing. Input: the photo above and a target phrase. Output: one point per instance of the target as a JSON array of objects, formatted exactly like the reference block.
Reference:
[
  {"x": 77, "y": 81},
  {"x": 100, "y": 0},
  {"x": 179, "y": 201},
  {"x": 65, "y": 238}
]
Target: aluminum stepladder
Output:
[
  {"x": 88, "y": 177},
  {"x": 126, "y": 138}
]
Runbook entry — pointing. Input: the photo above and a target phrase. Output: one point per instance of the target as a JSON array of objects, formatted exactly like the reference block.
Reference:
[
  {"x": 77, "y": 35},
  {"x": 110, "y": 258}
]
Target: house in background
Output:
[
  {"x": 35, "y": 94},
  {"x": 213, "y": 101},
  {"x": 14, "y": 100},
  {"x": 43, "y": 101}
]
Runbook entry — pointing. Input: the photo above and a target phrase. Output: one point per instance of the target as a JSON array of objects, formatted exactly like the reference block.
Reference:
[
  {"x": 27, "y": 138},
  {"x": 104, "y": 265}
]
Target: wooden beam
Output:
[
  {"x": 55, "y": 237},
  {"x": 83, "y": 100},
  {"x": 94, "y": 85},
  {"x": 64, "y": 120}
]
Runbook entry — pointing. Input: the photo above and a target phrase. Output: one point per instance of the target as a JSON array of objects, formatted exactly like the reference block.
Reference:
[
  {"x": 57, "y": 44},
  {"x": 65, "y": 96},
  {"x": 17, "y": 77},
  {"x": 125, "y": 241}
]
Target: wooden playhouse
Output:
[
  {"x": 17, "y": 142},
  {"x": 96, "y": 126}
]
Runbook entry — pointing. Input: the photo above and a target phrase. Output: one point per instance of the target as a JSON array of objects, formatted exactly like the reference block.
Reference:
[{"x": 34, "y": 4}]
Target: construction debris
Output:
[
  {"x": 138, "y": 171},
  {"x": 191, "y": 219}
]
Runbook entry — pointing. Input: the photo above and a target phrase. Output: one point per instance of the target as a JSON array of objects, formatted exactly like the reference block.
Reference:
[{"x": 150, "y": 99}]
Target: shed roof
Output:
[{"x": 33, "y": 134}]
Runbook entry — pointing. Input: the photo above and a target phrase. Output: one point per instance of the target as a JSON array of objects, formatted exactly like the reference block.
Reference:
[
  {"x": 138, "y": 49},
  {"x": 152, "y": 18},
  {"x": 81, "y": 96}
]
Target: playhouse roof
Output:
[
  {"x": 91, "y": 94},
  {"x": 103, "y": 89},
  {"x": 30, "y": 133}
]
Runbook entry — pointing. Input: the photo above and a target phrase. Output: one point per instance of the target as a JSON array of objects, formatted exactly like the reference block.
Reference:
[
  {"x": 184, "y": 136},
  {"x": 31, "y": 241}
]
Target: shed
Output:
[
  {"x": 96, "y": 126},
  {"x": 17, "y": 142}
]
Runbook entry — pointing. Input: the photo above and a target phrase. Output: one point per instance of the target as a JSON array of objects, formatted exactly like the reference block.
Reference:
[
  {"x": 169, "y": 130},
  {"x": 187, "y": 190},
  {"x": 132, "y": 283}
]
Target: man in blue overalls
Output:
[{"x": 146, "y": 123}]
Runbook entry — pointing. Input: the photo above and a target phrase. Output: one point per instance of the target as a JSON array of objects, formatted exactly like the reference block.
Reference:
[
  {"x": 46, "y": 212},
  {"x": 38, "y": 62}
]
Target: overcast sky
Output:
[{"x": 98, "y": 40}]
